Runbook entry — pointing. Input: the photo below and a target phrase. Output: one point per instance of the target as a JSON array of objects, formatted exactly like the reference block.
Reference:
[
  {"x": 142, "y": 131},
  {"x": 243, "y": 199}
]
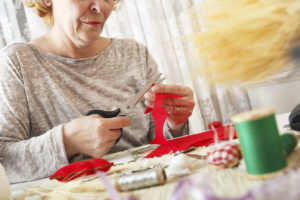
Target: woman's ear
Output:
[{"x": 48, "y": 3}]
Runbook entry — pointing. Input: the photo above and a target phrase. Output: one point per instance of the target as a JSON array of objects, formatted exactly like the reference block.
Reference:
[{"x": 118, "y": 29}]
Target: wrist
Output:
[
  {"x": 175, "y": 129},
  {"x": 70, "y": 150}
]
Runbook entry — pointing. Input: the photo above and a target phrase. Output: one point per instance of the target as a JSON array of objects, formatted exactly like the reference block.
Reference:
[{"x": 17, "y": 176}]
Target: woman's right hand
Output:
[{"x": 92, "y": 135}]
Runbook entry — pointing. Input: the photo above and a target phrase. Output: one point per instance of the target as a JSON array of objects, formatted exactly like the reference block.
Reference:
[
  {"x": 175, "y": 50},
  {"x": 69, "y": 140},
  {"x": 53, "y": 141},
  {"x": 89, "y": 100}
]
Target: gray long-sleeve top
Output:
[{"x": 40, "y": 92}]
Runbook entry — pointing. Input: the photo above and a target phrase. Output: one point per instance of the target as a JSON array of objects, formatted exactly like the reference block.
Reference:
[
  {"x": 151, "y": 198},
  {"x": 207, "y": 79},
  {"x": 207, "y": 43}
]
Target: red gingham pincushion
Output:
[{"x": 226, "y": 155}]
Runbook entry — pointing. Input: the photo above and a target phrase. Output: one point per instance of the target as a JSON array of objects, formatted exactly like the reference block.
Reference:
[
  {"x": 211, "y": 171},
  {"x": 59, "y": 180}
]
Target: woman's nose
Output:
[
  {"x": 99, "y": 5},
  {"x": 96, "y": 8}
]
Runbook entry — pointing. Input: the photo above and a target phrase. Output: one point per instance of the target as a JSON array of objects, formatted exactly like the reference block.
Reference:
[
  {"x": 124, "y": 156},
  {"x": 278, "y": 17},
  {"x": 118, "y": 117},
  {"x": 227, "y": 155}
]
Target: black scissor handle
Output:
[
  {"x": 104, "y": 113},
  {"x": 107, "y": 114}
]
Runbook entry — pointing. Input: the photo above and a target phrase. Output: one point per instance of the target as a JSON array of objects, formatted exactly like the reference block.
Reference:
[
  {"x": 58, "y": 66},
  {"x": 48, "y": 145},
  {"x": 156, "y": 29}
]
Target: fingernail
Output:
[
  {"x": 146, "y": 95},
  {"x": 154, "y": 88}
]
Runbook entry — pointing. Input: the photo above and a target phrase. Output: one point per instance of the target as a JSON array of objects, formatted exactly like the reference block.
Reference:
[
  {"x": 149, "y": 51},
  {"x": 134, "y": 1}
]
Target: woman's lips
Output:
[{"x": 93, "y": 23}]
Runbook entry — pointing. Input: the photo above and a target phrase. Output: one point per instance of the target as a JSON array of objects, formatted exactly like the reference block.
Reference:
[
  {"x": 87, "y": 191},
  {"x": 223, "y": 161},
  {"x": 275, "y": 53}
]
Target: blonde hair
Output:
[{"x": 44, "y": 11}]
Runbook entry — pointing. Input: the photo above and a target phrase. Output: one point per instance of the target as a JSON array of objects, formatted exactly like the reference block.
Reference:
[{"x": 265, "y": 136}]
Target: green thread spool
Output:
[{"x": 261, "y": 145}]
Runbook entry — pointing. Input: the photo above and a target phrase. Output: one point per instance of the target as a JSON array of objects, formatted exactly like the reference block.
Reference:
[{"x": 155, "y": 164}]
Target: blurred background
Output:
[{"x": 163, "y": 26}]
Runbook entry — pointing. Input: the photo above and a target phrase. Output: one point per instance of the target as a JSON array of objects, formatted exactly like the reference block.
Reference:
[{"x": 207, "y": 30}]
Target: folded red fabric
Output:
[{"x": 81, "y": 168}]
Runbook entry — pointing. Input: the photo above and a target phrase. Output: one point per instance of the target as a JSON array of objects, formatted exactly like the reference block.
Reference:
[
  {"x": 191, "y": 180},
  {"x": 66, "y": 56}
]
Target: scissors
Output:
[{"x": 131, "y": 103}]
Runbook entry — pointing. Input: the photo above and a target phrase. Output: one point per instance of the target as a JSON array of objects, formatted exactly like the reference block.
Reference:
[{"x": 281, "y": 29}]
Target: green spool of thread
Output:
[{"x": 261, "y": 145}]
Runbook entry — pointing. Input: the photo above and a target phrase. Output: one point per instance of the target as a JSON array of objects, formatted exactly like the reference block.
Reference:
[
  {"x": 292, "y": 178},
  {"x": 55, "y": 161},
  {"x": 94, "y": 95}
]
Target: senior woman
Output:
[{"x": 48, "y": 84}]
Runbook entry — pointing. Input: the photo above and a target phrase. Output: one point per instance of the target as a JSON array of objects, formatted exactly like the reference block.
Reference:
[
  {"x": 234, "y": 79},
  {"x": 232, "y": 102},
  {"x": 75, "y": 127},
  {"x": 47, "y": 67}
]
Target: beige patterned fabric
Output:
[{"x": 41, "y": 91}]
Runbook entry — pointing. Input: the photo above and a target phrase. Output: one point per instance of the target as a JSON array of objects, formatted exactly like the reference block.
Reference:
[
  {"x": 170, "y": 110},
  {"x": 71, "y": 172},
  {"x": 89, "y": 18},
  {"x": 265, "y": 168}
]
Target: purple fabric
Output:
[
  {"x": 200, "y": 186},
  {"x": 110, "y": 189}
]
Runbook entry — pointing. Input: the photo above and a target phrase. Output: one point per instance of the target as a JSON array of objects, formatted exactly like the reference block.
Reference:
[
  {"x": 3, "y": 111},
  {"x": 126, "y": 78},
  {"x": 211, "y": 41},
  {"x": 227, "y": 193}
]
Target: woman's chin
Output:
[{"x": 90, "y": 38}]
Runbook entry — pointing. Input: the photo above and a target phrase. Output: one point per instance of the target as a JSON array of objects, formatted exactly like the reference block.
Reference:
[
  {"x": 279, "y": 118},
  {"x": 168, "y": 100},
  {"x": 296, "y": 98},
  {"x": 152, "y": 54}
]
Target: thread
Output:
[
  {"x": 261, "y": 145},
  {"x": 141, "y": 180},
  {"x": 4, "y": 185}
]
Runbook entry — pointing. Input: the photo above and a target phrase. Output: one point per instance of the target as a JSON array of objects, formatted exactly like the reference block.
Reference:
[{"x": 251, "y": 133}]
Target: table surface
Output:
[{"x": 281, "y": 119}]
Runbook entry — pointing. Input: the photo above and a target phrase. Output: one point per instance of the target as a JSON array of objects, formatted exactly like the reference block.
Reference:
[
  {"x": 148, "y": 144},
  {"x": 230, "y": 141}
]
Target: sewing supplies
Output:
[
  {"x": 214, "y": 124},
  {"x": 289, "y": 142},
  {"x": 159, "y": 116},
  {"x": 141, "y": 180},
  {"x": 225, "y": 155},
  {"x": 260, "y": 142},
  {"x": 4, "y": 185},
  {"x": 81, "y": 168},
  {"x": 131, "y": 103},
  {"x": 139, "y": 169},
  {"x": 109, "y": 188},
  {"x": 294, "y": 118},
  {"x": 180, "y": 165},
  {"x": 185, "y": 142},
  {"x": 245, "y": 40},
  {"x": 296, "y": 52},
  {"x": 190, "y": 149}
]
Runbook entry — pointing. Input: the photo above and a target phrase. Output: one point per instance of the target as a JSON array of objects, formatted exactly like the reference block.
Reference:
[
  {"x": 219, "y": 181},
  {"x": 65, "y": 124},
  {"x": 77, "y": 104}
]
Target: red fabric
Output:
[
  {"x": 81, "y": 168},
  {"x": 215, "y": 124},
  {"x": 148, "y": 110},
  {"x": 182, "y": 143},
  {"x": 227, "y": 155},
  {"x": 160, "y": 115}
]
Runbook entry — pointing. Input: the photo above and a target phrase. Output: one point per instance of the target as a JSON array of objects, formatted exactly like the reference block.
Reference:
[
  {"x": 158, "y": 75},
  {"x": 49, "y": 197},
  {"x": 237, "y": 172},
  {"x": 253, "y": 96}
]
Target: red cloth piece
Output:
[
  {"x": 160, "y": 115},
  {"x": 148, "y": 110},
  {"x": 215, "y": 124},
  {"x": 81, "y": 168},
  {"x": 183, "y": 143}
]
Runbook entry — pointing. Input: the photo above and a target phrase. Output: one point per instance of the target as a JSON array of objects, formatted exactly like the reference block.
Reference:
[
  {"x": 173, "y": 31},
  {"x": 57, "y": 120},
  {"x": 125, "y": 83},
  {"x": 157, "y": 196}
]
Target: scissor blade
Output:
[{"x": 139, "y": 96}]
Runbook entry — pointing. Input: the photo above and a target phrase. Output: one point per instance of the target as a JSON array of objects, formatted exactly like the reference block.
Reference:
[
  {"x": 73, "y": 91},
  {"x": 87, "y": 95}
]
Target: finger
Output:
[
  {"x": 175, "y": 119},
  {"x": 115, "y": 134},
  {"x": 150, "y": 96},
  {"x": 179, "y": 102},
  {"x": 117, "y": 122},
  {"x": 110, "y": 135},
  {"x": 94, "y": 116},
  {"x": 149, "y": 104},
  {"x": 172, "y": 89},
  {"x": 177, "y": 110}
]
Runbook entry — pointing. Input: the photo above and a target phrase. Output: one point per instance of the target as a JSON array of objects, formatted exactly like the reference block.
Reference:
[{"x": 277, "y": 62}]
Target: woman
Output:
[{"x": 49, "y": 84}]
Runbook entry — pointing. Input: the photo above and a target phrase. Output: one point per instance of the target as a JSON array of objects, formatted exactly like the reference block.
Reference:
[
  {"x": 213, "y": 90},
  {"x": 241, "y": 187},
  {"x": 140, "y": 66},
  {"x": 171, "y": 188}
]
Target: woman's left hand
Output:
[{"x": 178, "y": 109}]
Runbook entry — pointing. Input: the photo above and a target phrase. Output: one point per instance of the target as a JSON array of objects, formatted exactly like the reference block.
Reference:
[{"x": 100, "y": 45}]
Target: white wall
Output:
[{"x": 283, "y": 96}]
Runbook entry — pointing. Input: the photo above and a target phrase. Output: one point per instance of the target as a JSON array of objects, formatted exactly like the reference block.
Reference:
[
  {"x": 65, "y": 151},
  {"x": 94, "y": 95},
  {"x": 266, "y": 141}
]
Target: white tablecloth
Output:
[{"x": 281, "y": 119}]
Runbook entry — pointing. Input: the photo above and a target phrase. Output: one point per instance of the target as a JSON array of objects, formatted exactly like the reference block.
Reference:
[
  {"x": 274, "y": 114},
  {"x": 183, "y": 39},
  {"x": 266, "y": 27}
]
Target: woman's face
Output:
[{"x": 81, "y": 20}]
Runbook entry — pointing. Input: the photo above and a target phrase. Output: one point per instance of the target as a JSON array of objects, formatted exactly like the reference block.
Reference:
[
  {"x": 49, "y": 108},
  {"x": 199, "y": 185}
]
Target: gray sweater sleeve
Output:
[{"x": 36, "y": 157}]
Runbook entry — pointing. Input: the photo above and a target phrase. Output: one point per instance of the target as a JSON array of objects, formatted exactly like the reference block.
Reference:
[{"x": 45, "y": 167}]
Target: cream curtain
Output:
[{"x": 159, "y": 24}]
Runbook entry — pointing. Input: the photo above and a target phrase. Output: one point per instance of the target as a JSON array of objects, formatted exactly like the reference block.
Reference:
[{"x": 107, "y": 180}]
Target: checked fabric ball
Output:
[{"x": 225, "y": 155}]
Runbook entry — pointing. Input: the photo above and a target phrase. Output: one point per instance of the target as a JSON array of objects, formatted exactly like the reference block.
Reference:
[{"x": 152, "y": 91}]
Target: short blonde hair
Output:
[{"x": 44, "y": 11}]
